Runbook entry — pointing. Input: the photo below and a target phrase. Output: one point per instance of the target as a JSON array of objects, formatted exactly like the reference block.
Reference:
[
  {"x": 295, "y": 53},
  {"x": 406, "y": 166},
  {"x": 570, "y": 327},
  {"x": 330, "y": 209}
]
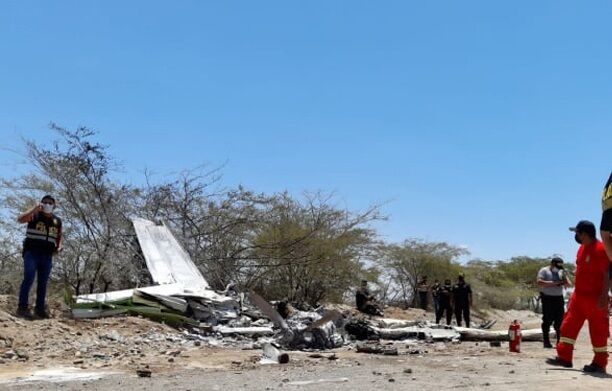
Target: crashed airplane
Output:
[{"x": 183, "y": 298}]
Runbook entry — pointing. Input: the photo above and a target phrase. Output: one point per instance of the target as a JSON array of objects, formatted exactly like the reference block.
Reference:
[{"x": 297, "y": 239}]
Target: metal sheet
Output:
[
  {"x": 166, "y": 290},
  {"x": 166, "y": 259},
  {"x": 244, "y": 330}
]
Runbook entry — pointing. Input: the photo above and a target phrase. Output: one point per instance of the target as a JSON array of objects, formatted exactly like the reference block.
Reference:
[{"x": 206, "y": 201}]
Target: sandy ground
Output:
[
  {"x": 469, "y": 366},
  {"x": 49, "y": 350}
]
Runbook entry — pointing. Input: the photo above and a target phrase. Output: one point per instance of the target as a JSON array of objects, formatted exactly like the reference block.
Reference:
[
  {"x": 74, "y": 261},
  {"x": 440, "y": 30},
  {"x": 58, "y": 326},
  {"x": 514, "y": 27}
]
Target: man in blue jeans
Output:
[{"x": 43, "y": 240}]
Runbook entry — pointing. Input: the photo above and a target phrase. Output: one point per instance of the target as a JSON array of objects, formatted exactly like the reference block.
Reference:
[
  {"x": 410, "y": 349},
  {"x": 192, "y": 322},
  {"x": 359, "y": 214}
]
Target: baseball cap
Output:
[
  {"x": 556, "y": 260},
  {"x": 584, "y": 226}
]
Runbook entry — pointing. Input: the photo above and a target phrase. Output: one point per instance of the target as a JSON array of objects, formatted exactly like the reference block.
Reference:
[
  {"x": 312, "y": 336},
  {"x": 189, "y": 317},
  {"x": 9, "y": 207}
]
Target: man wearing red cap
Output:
[{"x": 588, "y": 302}]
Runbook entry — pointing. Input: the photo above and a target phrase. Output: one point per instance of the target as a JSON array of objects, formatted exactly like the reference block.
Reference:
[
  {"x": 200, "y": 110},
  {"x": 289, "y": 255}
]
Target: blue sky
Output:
[{"x": 479, "y": 123}]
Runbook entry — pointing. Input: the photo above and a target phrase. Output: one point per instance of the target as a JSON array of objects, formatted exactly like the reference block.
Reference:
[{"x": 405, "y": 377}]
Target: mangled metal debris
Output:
[
  {"x": 166, "y": 259},
  {"x": 272, "y": 355},
  {"x": 183, "y": 297},
  {"x": 376, "y": 348}
]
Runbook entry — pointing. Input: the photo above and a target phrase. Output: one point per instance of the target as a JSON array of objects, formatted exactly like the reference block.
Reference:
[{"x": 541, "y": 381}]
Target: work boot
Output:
[
  {"x": 24, "y": 312},
  {"x": 593, "y": 368},
  {"x": 42, "y": 314},
  {"x": 556, "y": 361}
]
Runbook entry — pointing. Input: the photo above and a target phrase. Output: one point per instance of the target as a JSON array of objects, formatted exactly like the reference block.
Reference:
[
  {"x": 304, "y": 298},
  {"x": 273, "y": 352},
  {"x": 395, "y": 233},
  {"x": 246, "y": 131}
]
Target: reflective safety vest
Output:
[
  {"x": 606, "y": 197},
  {"x": 43, "y": 233}
]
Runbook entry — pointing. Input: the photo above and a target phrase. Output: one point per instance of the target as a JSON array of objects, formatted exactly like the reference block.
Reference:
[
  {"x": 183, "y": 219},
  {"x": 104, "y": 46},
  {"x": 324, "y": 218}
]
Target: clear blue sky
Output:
[{"x": 483, "y": 124}]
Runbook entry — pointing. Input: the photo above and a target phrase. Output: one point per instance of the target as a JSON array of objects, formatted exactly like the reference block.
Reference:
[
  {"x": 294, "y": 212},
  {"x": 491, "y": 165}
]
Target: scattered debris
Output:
[
  {"x": 376, "y": 348},
  {"x": 143, "y": 372},
  {"x": 184, "y": 299},
  {"x": 271, "y": 355},
  {"x": 319, "y": 381}
]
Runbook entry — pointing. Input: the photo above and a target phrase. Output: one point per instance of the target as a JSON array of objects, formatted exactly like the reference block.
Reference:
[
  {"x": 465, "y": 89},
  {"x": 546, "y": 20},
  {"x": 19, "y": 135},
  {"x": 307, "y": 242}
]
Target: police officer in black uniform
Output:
[
  {"x": 43, "y": 240},
  {"x": 462, "y": 300},
  {"x": 443, "y": 293}
]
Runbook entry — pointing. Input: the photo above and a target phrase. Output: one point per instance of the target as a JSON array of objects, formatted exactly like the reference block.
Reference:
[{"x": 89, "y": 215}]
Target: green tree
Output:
[{"x": 406, "y": 263}]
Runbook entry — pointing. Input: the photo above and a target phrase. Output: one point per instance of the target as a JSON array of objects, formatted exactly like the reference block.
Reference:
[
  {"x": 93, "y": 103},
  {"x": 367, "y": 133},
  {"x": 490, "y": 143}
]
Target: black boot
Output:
[{"x": 24, "y": 313}]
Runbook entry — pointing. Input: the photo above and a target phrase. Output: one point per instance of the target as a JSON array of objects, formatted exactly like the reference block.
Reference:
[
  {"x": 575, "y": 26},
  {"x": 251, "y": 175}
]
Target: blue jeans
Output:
[{"x": 35, "y": 263}]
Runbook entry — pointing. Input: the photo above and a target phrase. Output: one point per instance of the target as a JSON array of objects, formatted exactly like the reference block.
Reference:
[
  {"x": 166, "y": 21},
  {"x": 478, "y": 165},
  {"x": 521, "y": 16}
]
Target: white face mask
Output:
[{"x": 47, "y": 208}]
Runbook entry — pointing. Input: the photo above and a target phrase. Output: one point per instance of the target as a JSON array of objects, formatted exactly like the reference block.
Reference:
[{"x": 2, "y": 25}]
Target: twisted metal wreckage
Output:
[{"x": 183, "y": 297}]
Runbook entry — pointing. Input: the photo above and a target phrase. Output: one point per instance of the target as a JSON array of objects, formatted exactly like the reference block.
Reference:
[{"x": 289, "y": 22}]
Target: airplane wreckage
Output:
[{"x": 183, "y": 298}]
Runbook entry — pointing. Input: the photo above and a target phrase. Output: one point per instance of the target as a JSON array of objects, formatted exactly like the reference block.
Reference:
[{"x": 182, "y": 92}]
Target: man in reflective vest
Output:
[
  {"x": 588, "y": 302},
  {"x": 43, "y": 240},
  {"x": 606, "y": 223}
]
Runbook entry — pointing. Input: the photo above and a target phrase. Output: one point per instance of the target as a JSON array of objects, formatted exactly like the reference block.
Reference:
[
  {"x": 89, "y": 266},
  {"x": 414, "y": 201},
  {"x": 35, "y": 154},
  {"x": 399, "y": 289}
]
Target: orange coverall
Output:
[{"x": 591, "y": 268}]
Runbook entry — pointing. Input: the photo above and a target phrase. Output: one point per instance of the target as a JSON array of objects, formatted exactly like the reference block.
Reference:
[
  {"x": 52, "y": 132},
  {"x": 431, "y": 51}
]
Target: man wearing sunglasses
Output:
[{"x": 43, "y": 240}]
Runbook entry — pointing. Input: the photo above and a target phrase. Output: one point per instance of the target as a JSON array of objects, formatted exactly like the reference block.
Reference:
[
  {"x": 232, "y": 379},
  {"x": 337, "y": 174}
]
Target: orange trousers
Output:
[{"x": 583, "y": 308}]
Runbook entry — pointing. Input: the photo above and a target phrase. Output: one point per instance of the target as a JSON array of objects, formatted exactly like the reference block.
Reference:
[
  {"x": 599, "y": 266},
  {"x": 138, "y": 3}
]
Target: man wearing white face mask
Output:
[{"x": 43, "y": 240}]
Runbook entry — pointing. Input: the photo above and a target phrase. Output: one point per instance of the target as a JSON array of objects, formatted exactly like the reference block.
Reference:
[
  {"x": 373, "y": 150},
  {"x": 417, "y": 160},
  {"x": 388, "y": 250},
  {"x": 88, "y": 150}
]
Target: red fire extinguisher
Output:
[{"x": 514, "y": 332}]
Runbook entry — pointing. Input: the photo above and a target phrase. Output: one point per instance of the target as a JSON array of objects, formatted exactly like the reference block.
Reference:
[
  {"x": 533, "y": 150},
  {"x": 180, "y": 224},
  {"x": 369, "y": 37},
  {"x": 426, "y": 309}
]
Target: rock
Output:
[
  {"x": 23, "y": 355},
  {"x": 77, "y": 362},
  {"x": 9, "y": 354},
  {"x": 143, "y": 372},
  {"x": 408, "y": 370},
  {"x": 113, "y": 336}
]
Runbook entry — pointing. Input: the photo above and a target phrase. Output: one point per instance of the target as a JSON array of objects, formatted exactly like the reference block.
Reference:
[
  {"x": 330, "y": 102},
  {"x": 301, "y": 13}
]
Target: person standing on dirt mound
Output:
[
  {"x": 551, "y": 280},
  {"x": 588, "y": 302},
  {"x": 43, "y": 240},
  {"x": 462, "y": 300}
]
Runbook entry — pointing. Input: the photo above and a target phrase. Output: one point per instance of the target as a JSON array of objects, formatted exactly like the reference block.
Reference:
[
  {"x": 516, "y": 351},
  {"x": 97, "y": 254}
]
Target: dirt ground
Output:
[{"x": 105, "y": 354}]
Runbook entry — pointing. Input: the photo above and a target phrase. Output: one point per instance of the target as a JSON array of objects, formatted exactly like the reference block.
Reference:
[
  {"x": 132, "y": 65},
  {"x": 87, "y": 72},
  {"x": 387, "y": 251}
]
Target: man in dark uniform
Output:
[
  {"x": 551, "y": 281},
  {"x": 423, "y": 289},
  {"x": 434, "y": 295},
  {"x": 43, "y": 240},
  {"x": 462, "y": 300},
  {"x": 444, "y": 301},
  {"x": 365, "y": 302},
  {"x": 605, "y": 228}
]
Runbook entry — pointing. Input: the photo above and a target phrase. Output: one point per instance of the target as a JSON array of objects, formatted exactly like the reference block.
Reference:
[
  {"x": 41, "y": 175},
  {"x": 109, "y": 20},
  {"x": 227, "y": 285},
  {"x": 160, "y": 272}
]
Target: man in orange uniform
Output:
[{"x": 588, "y": 302}]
